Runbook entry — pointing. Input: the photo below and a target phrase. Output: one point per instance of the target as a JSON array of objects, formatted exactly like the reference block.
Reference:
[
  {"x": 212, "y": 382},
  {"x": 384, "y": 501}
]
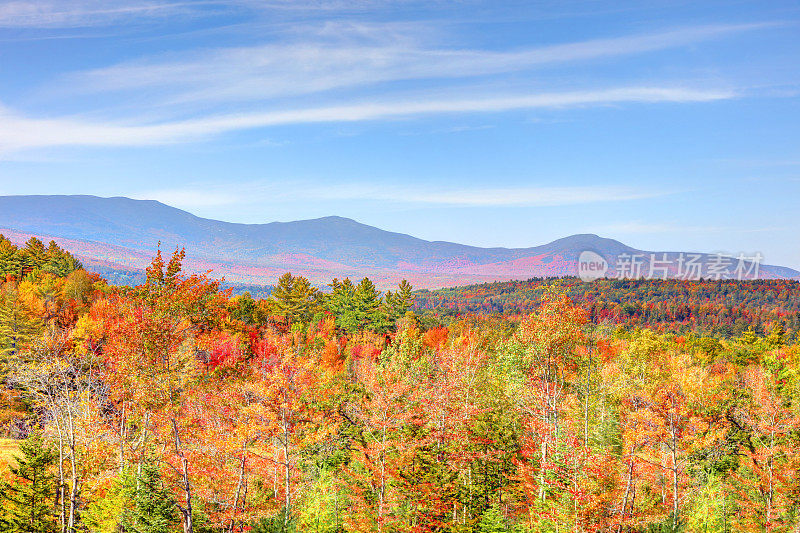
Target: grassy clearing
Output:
[{"x": 8, "y": 448}]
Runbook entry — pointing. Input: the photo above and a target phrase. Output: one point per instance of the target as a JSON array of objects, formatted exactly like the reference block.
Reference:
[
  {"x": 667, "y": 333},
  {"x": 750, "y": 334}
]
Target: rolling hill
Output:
[{"x": 117, "y": 236}]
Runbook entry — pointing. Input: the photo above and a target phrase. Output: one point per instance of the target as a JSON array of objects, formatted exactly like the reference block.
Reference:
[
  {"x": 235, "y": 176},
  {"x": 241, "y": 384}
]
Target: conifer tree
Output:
[
  {"x": 28, "y": 499},
  {"x": 34, "y": 255},
  {"x": 340, "y": 302},
  {"x": 367, "y": 303},
  {"x": 154, "y": 509},
  {"x": 59, "y": 262},
  {"x": 295, "y": 298},
  {"x": 10, "y": 259},
  {"x": 399, "y": 302},
  {"x": 136, "y": 503},
  {"x": 492, "y": 521},
  {"x": 777, "y": 336}
]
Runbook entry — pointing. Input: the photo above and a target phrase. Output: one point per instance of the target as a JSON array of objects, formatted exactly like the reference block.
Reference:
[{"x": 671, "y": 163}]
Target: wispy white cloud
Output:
[
  {"x": 648, "y": 228},
  {"x": 20, "y": 132},
  {"x": 347, "y": 55},
  {"x": 209, "y": 195},
  {"x": 463, "y": 129},
  {"x": 87, "y": 13},
  {"x": 484, "y": 196},
  {"x": 340, "y": 60},
  {"x": 84, "y": 13}
]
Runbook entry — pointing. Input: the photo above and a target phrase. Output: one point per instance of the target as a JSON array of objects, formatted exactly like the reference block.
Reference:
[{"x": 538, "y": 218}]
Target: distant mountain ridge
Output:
[{"x": 122, "y": 234}]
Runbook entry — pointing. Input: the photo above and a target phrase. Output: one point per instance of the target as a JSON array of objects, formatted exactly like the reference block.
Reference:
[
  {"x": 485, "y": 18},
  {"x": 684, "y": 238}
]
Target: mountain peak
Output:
[
  {"x": 580, "y": 242},
  {"x": 119, "y": 228}
]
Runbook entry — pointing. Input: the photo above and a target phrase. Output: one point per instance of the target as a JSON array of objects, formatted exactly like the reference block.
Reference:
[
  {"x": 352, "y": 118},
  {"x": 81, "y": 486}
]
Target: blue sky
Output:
[{"x": 669, "y": 125}]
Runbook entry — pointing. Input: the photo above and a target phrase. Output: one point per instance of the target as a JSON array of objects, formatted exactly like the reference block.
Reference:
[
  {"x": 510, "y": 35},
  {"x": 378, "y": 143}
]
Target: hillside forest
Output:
[
  {"x": 720, "y": 308},
  {"x": 175, "y": 406}
]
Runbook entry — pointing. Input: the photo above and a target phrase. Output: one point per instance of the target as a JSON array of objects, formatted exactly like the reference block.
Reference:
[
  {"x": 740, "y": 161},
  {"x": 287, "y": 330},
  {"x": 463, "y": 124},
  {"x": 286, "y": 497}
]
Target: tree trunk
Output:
[
  {"x": 586, "y": 399},
  {"x": 627, "y": 494},
  {"x": 186, "y": 509},
  {"x": 73, "y": 496},
  {"x": 771, "y": 489},
  {"x": 542, "y": 470},
  {"x": 383, "y": 481},
  {"x": 238, "y": 492},
  {"x": 287, "y": 474},
  {"x": 60, "y": 500},
  {"x": 122, "y": 440},
  {"x": 673, "y": 450}
]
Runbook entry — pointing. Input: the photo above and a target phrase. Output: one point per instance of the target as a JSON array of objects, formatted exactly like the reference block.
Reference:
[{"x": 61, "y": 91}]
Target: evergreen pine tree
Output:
[
  {"x": 59, "y": 262},
  {"x": 295, "y": 298},
  {"x": 10, "y": 259},
  {"x": 28, "y": 499},
  {"x": 154, "y": 508},
  {"x": 492, "y": 521},
  {"x": 34, "y": 255},
  {"x": 367, "y": 306},
  {"x": 340, "y": 303},
  {"x": 399, "y": 302}
]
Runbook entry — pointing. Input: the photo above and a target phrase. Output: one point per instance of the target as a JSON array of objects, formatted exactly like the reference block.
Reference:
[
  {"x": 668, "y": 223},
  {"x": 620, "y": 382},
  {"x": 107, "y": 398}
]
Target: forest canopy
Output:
[
  {"x": 722, "y": 308},
  {"x": 175, "y": 406}
]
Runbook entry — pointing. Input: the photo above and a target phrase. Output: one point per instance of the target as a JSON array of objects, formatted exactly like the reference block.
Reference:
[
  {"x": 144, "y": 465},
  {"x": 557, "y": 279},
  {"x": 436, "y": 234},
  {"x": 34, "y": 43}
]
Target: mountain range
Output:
[{"x": 118, "y": 237}]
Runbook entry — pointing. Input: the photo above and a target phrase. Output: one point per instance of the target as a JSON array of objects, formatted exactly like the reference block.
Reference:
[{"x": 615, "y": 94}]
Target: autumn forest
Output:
[{"x": 619, "y": 406}]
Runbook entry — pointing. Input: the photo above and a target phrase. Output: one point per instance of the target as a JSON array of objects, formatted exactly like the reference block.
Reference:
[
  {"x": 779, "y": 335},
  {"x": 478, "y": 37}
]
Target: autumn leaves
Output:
[{"x": 172, "y": 406}]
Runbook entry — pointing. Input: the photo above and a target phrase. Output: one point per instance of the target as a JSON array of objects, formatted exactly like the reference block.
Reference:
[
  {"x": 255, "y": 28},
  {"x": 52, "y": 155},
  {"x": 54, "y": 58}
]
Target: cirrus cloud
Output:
[
  {"x": 357, "y": 56},
  {"x": 21, "y": 132},
  {"x": 201, "y": 195}
]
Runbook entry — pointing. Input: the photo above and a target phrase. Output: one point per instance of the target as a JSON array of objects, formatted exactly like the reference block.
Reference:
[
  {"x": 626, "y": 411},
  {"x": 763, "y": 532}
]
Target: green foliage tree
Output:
[
  {"x": 105, "y": 514},
  {"x": 34, "y": 255},
  {"x": 274, "y": 524},
  {"x": 153, "y": 509},
  {"x": 28, "y": 499},
  {"x": 10, "y": 259},
  {"x": 320, "y": 509},
  {"x": 777, "y": 336},
  {"x": 492, "y": 521},
  {"x": 244, "y": 308},
  {"x": 136, "y": 503},
  {"x": 59, "y": 262},
  {"x": 400, "y": 302},
  {"x": 358, "y": 307},
  {"x": 340, "y": 302},
  {"x": 367, "y": 307},
  {"x": 295, "y": 298}
]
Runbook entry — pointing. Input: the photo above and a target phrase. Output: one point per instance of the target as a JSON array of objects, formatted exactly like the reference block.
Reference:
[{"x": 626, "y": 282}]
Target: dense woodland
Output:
[
  {"x": 723, "y": 308},
  {"x": 175, "y": 406}
]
